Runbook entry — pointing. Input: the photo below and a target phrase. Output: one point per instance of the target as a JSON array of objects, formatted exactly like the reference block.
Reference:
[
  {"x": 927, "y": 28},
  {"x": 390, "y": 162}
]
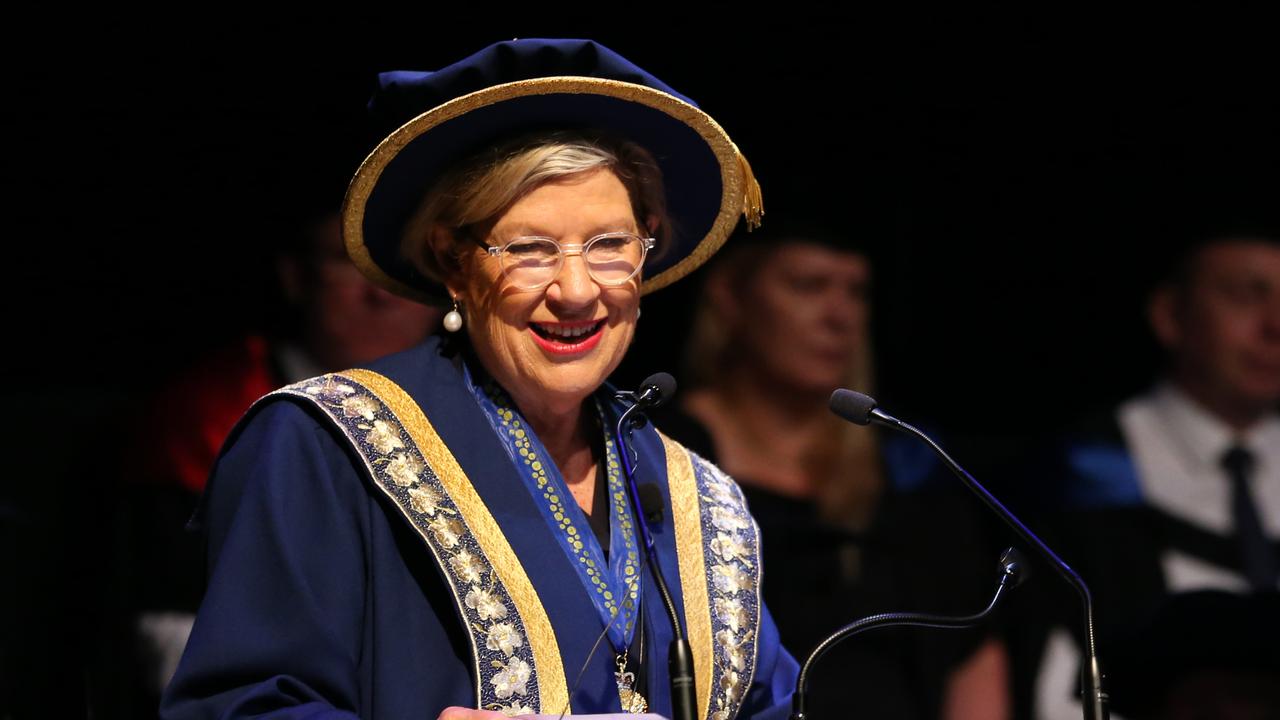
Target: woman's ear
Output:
[{"x": 651, "y": 225}]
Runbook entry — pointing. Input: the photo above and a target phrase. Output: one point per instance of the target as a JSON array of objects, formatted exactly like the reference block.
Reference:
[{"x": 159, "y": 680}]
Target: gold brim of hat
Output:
[{"x": 741, "y": 191}]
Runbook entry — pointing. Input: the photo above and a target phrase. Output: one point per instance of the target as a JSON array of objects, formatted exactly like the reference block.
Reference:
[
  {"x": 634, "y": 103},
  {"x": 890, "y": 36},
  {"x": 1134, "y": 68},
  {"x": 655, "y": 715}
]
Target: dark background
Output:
[{"x": 1020, "y": 179}]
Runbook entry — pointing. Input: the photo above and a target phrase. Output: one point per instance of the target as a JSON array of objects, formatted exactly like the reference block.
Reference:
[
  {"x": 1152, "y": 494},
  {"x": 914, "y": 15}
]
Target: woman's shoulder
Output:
[
  {"x": 280, "y": 450},
  {"x": 313, "y": 407},
  {"x": 712, "y": 484}
]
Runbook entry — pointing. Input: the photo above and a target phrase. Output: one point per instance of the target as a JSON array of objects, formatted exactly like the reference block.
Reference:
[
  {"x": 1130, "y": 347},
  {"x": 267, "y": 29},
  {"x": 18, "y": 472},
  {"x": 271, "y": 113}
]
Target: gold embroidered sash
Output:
[
  {"x": 518, "y": 669},
  {"x": 718, "y": 549}
]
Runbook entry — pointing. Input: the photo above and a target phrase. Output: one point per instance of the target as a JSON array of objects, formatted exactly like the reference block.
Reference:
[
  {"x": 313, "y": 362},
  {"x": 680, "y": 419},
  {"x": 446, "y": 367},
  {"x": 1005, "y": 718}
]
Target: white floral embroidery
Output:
[
  {"x": 425, "y": 500},
  {"x": 468, "y": 567},
  {"x": 730, "y": 547},
  {"x": 511, "y": 679},
  {"x": 504, "y": 638},
  {"x": 730, "y": 578},
  {"x": 486, "y": 605},
  {"x": 731, "y": 613},
  {"x": 404, "y": 470},
  {"x": 359, "y": 406},
  {"x": 727, "y": 520},
  {"x": 732, "y": 649},
  {"x": 722, "y": 493},
  {"x": 383, "y": 437},
  {"x": 731, "y": 684},
  {"x": 331, "y": 390},
  {"x": 447, "y": 531}
]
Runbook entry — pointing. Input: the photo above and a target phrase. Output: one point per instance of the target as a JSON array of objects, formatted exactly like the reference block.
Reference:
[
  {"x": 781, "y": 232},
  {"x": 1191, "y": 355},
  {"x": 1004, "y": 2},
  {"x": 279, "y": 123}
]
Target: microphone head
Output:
[
  {"x": 852, "y": 406},
  {"x": 657, "y": 389},
  {"x": 1014, "y": 566}
]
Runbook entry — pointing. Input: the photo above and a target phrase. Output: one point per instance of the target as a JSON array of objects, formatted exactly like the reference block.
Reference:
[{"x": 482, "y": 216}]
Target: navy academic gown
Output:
[{"x": 323, "y": 601}]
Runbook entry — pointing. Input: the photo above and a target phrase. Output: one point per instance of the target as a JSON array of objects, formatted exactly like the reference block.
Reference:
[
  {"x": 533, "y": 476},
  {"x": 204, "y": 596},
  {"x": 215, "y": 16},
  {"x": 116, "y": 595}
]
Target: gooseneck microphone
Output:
[
  {"x": 654, "y": 391},
  {"x": 861, "y": 409},
  {"x": 1012, "y": 574}
]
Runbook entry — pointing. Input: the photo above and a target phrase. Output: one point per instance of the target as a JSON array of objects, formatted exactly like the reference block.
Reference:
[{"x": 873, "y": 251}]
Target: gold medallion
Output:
[{"x": 632, "y": 701}]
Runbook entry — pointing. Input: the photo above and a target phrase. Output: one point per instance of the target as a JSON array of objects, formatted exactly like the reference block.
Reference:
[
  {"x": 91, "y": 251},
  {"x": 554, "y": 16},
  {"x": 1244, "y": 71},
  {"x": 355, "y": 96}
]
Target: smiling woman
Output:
[
  {"x": 450, "y": 532},
  {"x": 555, "y": 345},
  {"x": 550, "y": 276}
]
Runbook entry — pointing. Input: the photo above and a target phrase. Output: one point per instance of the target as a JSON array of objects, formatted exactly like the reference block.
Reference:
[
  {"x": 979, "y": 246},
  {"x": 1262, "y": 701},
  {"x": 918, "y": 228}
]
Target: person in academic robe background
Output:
[
  {"x": 1177, "y": 490},
  {"x": 853, "y": 522}
]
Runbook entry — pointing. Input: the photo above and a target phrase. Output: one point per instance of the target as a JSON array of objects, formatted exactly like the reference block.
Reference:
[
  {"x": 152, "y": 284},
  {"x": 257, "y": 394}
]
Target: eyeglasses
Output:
[{"x": 532, "y": 262}]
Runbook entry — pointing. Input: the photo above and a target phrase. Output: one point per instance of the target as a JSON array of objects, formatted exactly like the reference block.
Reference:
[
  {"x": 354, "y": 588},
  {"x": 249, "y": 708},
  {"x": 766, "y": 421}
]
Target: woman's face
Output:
[
  {"x": 803, "y": 316},
  {"x": 551, "y": 348}
]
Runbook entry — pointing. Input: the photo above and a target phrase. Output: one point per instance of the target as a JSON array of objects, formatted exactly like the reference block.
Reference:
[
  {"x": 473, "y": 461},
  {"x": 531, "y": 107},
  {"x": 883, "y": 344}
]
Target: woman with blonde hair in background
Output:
[{"x": 852, "y": 523}]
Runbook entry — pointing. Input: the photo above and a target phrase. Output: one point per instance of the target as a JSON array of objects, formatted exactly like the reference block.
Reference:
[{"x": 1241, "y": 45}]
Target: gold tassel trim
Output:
[{"x": 752, "y": 198}]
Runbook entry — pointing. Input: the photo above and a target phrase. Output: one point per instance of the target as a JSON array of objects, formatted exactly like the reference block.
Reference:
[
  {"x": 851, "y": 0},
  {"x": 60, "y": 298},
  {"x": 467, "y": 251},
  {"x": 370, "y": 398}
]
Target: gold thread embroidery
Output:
[
  {"x": 712, "y": 521},
  {"x": 693, "y": 578},
  {"x": 552, "y": 688}
]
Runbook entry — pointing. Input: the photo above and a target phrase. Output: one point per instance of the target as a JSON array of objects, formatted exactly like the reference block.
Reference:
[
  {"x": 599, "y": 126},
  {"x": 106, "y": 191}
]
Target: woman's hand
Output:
[{"x": 461, "y": 713}]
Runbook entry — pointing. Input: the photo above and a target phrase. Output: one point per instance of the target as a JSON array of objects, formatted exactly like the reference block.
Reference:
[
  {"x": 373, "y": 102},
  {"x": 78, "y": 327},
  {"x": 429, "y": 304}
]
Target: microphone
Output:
[
  {"x": 1012, "y": 574},
  {"x": 852, "y": 406},
  {"x": 861, "y": 409},
  {"x": 654, "y": 391}
]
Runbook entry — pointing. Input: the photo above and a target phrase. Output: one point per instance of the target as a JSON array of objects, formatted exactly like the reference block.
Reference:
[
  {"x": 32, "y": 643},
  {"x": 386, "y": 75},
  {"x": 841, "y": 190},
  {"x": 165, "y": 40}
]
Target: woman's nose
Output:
[{"x": 573, "y": 287}]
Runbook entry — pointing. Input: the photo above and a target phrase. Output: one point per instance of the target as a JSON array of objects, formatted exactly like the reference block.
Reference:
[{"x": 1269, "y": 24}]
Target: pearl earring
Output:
[{"x": 453, "y": 318}]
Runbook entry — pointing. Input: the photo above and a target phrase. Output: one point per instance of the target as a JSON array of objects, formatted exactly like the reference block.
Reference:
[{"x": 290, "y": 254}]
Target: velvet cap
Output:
[{"x": 433, "y": 120}]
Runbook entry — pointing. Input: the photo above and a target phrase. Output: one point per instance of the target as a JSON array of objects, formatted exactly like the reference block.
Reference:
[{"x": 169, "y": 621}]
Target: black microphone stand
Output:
[
  {"x": 851, "y": 406},
  {"x": 679, "y": 657},
  {"x": 1011, "y": 575}
]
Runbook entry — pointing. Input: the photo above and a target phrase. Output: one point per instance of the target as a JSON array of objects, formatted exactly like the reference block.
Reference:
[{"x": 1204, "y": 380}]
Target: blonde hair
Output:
[
  {"x": 468, "y": 199},
  {"x": 850, "y": 475}
]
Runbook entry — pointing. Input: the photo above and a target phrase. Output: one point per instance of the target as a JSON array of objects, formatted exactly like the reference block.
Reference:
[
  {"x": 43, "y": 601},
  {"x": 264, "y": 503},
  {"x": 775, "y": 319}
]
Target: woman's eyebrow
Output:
[{"x": 529, "y": 230}]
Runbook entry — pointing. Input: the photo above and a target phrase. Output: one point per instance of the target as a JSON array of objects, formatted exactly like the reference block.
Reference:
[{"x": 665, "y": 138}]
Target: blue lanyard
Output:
[{"x": 614, "y": 586}]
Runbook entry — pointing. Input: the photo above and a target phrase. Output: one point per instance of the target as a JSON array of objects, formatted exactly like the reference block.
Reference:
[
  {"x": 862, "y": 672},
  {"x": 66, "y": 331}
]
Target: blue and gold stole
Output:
[
  {"x": 517, "y": 660},
  {"x": 613, "y": 585}
]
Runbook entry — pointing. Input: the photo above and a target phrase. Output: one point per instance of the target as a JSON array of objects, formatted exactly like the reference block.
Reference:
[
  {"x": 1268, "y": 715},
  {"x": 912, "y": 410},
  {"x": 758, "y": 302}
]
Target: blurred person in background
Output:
[
  {"x": 1178, "y": 489},
  {"x": 331, "y": 317},
  {"x": 853, "y": 523}
]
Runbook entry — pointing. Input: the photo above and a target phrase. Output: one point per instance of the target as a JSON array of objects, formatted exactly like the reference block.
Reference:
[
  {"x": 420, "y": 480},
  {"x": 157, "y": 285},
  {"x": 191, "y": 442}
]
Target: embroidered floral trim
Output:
[
  {"x": 506, "y": 676},
  {"x": 733, "y": 585}
]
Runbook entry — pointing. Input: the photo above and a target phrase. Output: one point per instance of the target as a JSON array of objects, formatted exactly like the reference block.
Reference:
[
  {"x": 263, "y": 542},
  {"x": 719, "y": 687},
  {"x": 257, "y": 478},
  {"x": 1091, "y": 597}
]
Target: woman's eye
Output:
[
  {"x": 529, "y": 248},
  {"x": 609, "y": 243}
]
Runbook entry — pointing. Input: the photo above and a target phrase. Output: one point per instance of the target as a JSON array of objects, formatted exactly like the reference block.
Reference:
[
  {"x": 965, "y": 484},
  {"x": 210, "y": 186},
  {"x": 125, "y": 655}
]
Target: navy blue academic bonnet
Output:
[{"x": 432, "y": 120}]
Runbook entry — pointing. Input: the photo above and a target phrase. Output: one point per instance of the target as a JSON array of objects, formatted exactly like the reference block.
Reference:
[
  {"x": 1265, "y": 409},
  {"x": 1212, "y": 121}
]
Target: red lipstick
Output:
[{"x": 567, "y": 338}]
